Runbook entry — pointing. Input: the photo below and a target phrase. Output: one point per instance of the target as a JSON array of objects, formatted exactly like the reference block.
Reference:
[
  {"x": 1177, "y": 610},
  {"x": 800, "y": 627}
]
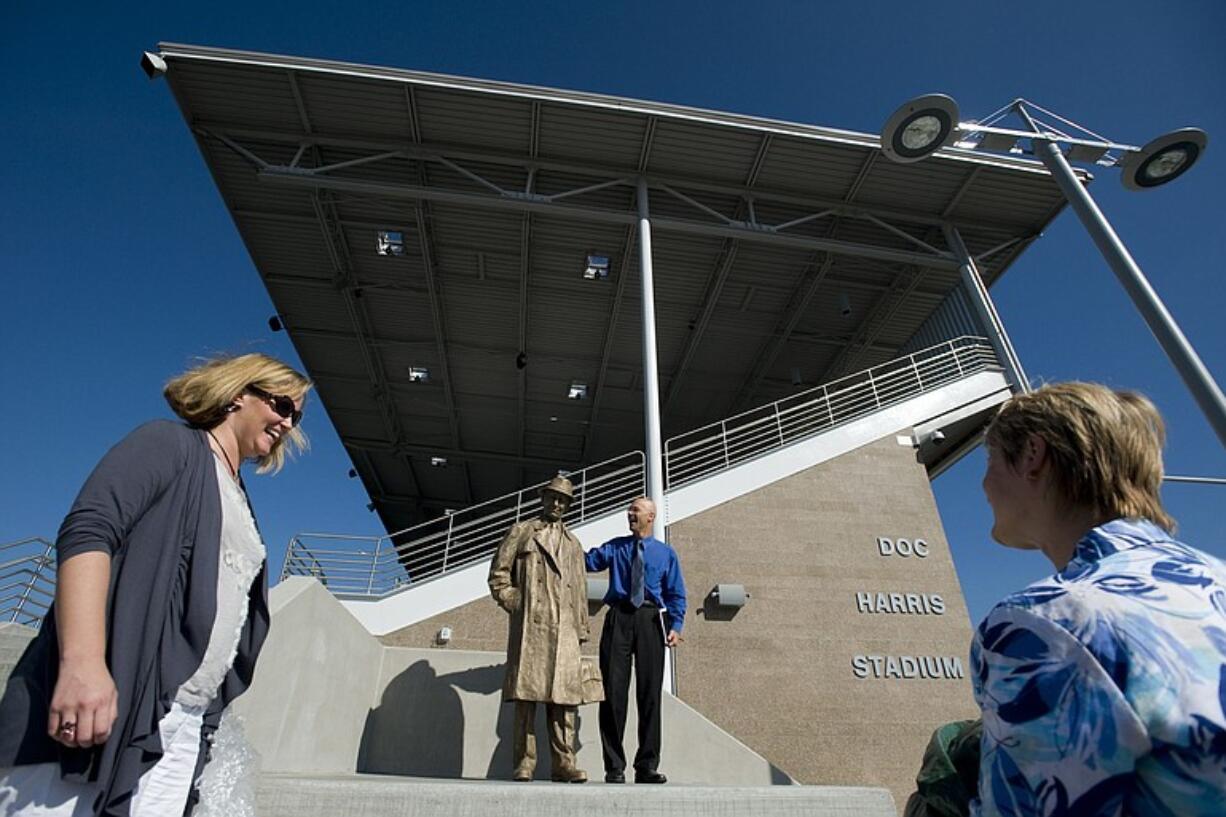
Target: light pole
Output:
[{"x": 925, "y": 124}]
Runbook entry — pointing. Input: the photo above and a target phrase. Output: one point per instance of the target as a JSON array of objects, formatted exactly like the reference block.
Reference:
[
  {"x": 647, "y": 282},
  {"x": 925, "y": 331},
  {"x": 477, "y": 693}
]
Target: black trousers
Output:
[{"x": 628, "y": 635}]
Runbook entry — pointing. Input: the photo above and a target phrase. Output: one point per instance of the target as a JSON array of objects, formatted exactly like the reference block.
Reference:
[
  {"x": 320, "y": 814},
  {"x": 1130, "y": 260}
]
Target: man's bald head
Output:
[{"x": 641, "y": 515}]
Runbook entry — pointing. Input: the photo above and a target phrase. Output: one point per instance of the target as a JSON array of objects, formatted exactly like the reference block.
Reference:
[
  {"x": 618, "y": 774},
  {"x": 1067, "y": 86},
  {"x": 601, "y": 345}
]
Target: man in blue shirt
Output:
[{"x": 646, "y": 599}]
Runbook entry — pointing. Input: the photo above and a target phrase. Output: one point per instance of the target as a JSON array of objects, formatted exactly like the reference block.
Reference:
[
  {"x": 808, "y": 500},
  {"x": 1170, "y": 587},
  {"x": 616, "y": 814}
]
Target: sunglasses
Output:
[{"x": 279, "y": 403}]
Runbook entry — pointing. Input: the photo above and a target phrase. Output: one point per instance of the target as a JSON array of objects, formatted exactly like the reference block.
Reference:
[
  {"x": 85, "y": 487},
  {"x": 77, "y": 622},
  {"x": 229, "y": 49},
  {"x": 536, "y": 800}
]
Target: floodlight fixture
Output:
[
  {"x": 419, "y": 374},
  {"x": 1163, "y": 159},
  {"x": 438, "y": 462},
  {"x": 919, "y": 127},
  {"x": 577, "y": 391},
  {"x": 596, "y": 268},
  {"x": 389, "y": 242}
]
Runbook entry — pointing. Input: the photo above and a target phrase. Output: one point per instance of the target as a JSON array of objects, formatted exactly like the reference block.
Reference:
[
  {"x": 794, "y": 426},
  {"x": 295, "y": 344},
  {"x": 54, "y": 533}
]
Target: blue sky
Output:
[{"x": 120, "y": 264}]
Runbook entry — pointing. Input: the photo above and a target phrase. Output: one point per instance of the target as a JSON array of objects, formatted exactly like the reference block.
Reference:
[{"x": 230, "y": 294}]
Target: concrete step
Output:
[{"x": 296, "y": 795}]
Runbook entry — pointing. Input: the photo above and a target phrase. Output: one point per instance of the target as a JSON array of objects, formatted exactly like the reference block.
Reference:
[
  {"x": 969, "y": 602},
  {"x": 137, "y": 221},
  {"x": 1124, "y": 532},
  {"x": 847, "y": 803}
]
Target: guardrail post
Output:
[
  {"x": 873, "y": 386},
  {"x": 919, "y": 380},
  {"x": 583, "y": 495},
  {"x": 447, "y": 544},
  {"x": 779, "y": 424},
  {"x": 289, "y": 555},
  {"x": 374, "y": 563},
  {"x": 519, "y": 504},
  {"x": 723, "y": 435}
]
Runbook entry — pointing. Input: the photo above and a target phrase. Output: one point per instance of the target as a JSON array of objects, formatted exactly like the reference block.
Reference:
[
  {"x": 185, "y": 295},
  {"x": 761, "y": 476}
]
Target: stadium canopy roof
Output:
[{"x": 426, "y": 241}]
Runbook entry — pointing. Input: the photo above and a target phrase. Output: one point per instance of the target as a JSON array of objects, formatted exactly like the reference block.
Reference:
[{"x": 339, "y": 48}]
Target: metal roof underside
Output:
[{"x": 761, "y": 231}]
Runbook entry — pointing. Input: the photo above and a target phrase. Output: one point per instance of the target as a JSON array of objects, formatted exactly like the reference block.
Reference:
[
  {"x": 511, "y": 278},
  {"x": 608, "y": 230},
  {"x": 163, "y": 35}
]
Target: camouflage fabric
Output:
[{"x": 949, "y": 777}]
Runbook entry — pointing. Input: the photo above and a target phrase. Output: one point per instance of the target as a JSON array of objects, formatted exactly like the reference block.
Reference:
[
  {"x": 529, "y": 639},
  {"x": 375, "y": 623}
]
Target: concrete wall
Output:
[
  {"x": 779, "y": 673},
  {"x": 14, "y": 638},
  {"x": 441, "y": 714},
  {"x": 314, "y": 683},
  {"x": 329, "y": 698}
]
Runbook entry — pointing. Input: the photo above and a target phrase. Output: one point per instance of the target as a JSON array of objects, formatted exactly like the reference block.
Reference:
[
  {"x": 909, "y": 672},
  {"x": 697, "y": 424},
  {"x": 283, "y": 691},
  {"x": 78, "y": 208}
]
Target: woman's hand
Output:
[{"x": 84, "y": 704}]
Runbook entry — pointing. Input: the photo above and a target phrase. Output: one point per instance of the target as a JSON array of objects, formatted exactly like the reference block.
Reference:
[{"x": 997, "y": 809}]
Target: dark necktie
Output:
[{"x": 637, "y": 582}]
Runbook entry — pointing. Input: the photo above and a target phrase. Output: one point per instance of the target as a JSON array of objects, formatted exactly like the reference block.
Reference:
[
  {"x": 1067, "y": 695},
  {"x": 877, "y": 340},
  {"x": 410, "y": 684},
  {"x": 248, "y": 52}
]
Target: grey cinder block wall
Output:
[
  {"x": 850, "y": 650},
  {"x": 853, "y": 645}
]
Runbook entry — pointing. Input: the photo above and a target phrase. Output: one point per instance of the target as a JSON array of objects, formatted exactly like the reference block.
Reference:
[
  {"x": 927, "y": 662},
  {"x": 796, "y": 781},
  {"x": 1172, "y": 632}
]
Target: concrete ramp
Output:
[{"x": 284, "y": 795}]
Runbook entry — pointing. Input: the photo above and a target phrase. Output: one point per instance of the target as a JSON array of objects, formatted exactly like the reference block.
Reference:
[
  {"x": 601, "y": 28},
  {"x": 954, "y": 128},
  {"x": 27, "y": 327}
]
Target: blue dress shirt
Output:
[{"x": 663, "y": 584}]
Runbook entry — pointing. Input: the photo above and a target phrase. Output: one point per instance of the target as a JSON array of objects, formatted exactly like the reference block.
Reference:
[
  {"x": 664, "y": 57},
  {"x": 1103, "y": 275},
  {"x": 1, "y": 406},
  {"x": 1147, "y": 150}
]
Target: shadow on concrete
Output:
[
  {"x": 418, "y": 727},
  {"x": 779, "y": 777}
]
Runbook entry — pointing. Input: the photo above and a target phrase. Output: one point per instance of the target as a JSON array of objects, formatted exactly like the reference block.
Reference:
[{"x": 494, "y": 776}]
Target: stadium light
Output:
[
  {"x": 922, "y": 126},
  {"x": 919, "y": 127},
  {"x": 1164, "y": 159}
]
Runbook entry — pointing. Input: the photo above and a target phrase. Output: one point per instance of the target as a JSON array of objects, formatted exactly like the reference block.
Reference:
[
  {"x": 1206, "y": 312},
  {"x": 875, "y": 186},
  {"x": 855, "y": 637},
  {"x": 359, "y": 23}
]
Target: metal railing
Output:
[
  {"x": 374, "y": 566},
  {"x": 724, "y": 444},
  {"x": 27, "y": 580}
]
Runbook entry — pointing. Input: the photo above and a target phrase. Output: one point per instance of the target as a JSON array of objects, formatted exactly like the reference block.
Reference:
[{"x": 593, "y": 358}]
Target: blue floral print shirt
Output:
[{"x": 1103, "y": 687}]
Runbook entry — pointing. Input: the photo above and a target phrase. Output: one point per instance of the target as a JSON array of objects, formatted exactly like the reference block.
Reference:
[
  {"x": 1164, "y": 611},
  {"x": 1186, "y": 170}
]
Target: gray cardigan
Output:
[{"x": 153, "y": 503}]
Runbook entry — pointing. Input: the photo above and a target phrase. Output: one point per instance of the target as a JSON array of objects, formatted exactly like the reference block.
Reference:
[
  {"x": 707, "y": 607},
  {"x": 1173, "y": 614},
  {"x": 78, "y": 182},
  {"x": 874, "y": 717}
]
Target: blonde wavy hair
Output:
[
  {"x": 1105, "y": 446},
  {"x": 201, "y": 394}
]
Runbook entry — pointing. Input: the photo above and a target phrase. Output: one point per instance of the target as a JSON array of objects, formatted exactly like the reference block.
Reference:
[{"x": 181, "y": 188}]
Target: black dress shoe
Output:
[
  {"x": 649, "y": 777},
  {"x": 615, "y": 777}
]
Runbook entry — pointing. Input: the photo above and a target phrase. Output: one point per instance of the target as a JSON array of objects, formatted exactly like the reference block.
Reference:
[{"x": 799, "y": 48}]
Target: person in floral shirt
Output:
[{"x": 1103, "y": 687}]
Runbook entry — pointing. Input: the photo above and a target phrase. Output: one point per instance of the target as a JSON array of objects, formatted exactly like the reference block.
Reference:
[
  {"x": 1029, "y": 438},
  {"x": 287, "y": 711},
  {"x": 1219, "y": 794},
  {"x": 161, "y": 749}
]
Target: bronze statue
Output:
[{"x": 538, "y": 577}]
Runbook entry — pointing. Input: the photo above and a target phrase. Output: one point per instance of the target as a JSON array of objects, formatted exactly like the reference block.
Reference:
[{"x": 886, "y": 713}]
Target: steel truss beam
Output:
[
  {"x": 806, "y": 290},
  {"x": 622, "y": 274},
  {"x": 810, "y": 281},
  {"x": 427, "y": 153},
  {"x": 719, "y": 225},
  {"x": 718, "y": 277},
  {"x": 459, "y": 456},
  {"x": 342, "y": 265},
  {"x": 426, "y": 237},
  {"x": 715, "y": 287},
  {"x": 746, "y": 233},
  {"x": 908, "y": 281},
  {"x": 338, "y": 250},
  {"x": 525, "y": 273}
]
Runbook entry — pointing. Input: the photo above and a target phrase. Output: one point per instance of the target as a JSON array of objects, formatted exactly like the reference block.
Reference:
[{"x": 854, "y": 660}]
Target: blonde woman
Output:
[
  {"x": 161, "y": 604},
  {"x": 1103, "y": 687}
]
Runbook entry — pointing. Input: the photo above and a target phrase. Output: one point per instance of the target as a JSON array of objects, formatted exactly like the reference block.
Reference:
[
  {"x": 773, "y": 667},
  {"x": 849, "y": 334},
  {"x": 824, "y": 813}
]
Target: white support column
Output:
[
  {"x": 977, "y": 291},
  {"x": 651, "y": 395},
  {"x": 651, "y": 374}
]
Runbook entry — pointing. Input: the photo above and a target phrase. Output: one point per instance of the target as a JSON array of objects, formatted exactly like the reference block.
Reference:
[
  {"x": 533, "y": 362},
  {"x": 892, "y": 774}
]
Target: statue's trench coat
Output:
[{"x": 538, "y": 577}]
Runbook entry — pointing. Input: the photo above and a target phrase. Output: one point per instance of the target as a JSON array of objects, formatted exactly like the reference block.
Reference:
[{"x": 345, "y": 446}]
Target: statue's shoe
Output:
[
  {"x": 568, "y": 775},
  {"x": 523, "y": 775}
]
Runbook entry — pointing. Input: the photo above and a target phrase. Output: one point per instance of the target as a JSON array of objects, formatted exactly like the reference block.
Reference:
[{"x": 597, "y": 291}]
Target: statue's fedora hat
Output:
[{"x": 560, "y": 485}]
